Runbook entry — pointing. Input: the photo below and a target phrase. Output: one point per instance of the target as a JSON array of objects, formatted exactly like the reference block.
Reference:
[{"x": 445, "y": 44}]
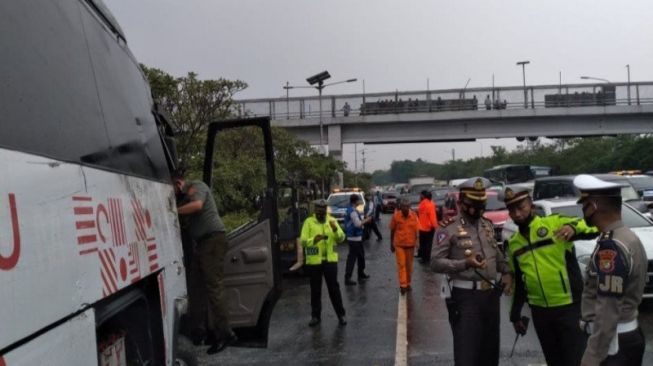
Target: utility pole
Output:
[
  {"x": 363, "y": 159},
  {"x": 628, "y": 68},
  {"x": 523, "y": 68},
  {"x": 453, "y": 154}
]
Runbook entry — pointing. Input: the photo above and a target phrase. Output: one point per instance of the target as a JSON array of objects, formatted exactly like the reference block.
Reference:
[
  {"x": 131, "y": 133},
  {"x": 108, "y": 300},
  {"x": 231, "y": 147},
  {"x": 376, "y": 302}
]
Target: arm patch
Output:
[
  {"x": 441, "y": 236},
  {"x": 612, "y": 269}
]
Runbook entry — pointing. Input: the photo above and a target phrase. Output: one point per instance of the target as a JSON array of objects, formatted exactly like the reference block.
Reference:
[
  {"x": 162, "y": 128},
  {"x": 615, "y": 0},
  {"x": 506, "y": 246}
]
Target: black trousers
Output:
[
  {"x": 330, "y": 273},
  {"x": 476, "y": 328},
  {"x": 356, "y": 254},
  {"x": 631, "y": 350},
  {"x": 562, "y": 340},
  {"x": 372, "y": 227},
  {"x": 425, "y": 244}
]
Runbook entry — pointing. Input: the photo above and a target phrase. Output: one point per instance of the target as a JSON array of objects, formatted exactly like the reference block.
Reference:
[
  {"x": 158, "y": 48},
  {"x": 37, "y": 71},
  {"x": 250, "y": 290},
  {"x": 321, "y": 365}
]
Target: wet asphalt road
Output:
[{"x": 369, "y": 338}]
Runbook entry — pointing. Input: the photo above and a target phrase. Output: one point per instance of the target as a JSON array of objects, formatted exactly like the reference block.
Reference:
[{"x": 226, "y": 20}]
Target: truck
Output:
[
  {"x": 91, "y": 261},
  {"x": 419, "y": 184}
]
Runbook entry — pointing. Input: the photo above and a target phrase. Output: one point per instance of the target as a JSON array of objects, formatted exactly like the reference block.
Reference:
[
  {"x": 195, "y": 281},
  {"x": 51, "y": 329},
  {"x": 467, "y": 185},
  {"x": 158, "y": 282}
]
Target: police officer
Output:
[
  {"x": 319, "y": 237},
  {"x": 547, "y": 276},
  {"x": 614, "y": 279},
  {"x": 467, "y": 251}
]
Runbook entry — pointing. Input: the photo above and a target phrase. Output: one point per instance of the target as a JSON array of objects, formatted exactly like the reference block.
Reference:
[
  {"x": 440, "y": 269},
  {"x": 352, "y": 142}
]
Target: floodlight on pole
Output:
[
  {"x": 593, "y": 78},
  {"x": 319, "y": 80},
  {"x": 523, "y": 67}
]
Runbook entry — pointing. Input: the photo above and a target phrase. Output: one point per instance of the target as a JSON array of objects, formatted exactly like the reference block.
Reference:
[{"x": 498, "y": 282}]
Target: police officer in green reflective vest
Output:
[
  {"x": 320, "y": 235},
  {"x": 467, "y": 252},
  {"x": 614, "y": 280},
  {"x": 547, "y": 276}
]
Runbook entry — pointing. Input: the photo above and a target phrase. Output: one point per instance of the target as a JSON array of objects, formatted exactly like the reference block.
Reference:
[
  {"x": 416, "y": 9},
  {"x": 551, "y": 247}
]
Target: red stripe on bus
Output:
[
  {"x": 87, "y": 251},
  {"x": 85, "y": 224},
  {"x": 107, "y": 290},
  {"x": 83, "y": 210},
  {"x": 86, "y": 239},
  {"x": 79, "y": 198},
  {"x": 108, "y": 267}
]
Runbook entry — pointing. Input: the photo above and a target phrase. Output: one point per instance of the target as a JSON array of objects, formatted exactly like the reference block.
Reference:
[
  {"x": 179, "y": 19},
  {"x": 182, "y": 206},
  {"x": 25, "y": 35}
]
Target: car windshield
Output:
[
  {"x": 629, "y": 216},
  {"x": 389, "y": 195},
  {"x": 339, "y": 201},
  {"x": 439, "y": 193},
  {"x": 493, "y": 204}
]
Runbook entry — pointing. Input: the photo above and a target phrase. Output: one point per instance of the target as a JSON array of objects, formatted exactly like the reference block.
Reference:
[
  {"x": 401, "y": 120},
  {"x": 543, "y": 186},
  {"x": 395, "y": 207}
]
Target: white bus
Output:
[{"x": 91, "y": 262}]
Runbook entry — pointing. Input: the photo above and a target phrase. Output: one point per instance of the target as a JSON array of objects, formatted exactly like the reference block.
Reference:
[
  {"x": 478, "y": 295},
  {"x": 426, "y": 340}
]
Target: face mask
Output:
[
  {"x": 474, "y": 211},
  {"x": 586, "y": 217}
]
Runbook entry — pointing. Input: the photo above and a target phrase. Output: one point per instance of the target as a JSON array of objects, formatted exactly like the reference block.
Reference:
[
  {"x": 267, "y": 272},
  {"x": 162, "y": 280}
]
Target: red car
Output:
[{"x": 495, "y": 210}]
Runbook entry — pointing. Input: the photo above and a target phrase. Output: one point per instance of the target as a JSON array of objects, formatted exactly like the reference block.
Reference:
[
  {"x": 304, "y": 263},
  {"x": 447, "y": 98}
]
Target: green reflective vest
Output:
[
  {"x": 545, "y": 267},
  {"x": 323, "y": 250}
]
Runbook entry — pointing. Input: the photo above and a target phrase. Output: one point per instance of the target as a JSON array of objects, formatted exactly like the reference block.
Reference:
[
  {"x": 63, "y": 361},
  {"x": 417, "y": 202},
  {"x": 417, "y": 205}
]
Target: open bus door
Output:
[{"x": 251, "y": 266}]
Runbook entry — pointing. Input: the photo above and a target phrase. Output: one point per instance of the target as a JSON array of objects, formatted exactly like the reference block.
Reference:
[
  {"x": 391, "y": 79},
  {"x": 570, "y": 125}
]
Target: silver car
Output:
[{"x": 638, "y": 223}]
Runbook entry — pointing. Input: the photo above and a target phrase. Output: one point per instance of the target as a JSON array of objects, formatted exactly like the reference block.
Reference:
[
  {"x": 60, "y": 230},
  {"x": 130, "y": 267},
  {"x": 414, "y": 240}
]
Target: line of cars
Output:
[{"x": 558, "y": 195}]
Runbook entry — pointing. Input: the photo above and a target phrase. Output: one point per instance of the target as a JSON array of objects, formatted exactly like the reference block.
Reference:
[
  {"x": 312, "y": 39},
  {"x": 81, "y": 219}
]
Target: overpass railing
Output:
[{"x": 498, "y": 98}]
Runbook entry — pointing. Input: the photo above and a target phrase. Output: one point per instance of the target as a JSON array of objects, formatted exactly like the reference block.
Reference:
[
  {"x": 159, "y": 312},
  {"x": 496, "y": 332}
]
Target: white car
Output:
[
  {"x": 638, "y": 223},
  {"x": 338, "y": 202}
]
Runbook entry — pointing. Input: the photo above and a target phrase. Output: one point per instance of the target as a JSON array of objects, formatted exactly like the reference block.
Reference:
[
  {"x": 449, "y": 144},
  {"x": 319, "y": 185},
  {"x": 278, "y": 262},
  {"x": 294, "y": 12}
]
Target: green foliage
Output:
[
  {"x": 360, "y": 180},
  {"x": 239, "y": 179},
  {"x": 565, "y": 156}
]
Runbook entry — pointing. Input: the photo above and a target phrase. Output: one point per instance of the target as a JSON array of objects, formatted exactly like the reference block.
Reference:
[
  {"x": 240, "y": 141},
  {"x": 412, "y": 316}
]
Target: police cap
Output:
[
  {"x": 320, "y": 203},
  {"x": 474, "y": 188},
  {"x": 591, "y": 186},
  {"x": 514, "y": 194}
]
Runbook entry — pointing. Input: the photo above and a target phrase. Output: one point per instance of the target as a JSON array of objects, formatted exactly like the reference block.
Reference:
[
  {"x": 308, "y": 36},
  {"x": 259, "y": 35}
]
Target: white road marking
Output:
[{"x": 401, "y": 347}]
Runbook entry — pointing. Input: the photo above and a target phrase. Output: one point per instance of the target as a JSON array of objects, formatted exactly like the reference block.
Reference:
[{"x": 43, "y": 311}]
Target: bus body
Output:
[
  {"x": 509, "y": 173},
  {"x": 91, "y": 262}
]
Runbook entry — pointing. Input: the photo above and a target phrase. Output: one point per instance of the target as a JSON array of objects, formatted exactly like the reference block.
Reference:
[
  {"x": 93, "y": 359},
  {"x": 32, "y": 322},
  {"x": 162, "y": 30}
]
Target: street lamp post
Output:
[
  {"x": 628, "y": 68},
  {"x": 287, "y": 87},
  {"x": 319, "y": 80},
  {"x": 523, "y": 67}
]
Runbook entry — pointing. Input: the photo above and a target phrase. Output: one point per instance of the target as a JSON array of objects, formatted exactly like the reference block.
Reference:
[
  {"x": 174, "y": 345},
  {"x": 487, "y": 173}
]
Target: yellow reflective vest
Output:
[
  {"x": 323, "y": 250},
  {"x": 545, "y": 267}
]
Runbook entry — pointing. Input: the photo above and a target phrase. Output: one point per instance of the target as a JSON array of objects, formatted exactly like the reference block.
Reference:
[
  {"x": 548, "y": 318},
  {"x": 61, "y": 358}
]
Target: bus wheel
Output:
[{"x": 185, "y": 355}]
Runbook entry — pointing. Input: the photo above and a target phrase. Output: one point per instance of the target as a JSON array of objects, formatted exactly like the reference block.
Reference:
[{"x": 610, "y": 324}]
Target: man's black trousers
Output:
[
  {"x": 330, "y": 273},
  {"x": 476, "y": 328},
  {"x": 356, "y": 254},
  {"x": 562, "y": 340}
]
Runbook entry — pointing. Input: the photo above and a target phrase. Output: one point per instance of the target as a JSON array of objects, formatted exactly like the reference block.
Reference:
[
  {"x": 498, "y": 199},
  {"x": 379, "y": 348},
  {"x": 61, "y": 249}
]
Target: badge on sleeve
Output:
[
  {"x": 612, "y": 268},
  {"x": 442, "y": 236},
  {"x": 541, "y": 232}
]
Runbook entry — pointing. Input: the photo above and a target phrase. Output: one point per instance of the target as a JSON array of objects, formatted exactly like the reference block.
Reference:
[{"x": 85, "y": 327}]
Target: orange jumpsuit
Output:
[{"x": 405, "y": 232}]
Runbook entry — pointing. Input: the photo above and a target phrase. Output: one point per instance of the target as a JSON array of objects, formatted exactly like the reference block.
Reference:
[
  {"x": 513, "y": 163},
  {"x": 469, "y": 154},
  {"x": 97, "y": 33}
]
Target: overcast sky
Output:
[{"x": 392, "y": 45}]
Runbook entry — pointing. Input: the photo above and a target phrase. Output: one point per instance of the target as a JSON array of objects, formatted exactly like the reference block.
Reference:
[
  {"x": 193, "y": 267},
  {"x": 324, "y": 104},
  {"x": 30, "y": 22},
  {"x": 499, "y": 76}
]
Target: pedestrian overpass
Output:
[{"x": 462, "y": 114}]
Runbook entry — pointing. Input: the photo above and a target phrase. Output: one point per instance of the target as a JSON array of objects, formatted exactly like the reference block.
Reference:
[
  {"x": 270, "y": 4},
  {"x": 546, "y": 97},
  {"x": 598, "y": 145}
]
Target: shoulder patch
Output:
[
  {"x": 441, "y": 236},
  {"x": 541, "y": 232},
  {"x": 611, "y": 267}
]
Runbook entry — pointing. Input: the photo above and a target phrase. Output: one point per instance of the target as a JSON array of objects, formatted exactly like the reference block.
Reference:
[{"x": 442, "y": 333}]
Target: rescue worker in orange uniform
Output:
[
  {"x": 428, "y": 223},
  {"x": 404, "y": 229}
]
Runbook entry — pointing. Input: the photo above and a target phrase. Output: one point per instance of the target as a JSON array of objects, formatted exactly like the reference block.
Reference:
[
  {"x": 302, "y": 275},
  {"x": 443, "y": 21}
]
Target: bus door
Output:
[{"x": 251, "y": 266}]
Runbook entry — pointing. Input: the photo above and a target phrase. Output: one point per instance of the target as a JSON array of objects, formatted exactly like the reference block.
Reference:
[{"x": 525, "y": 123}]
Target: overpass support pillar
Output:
[{"x": 334, "y": 139}]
